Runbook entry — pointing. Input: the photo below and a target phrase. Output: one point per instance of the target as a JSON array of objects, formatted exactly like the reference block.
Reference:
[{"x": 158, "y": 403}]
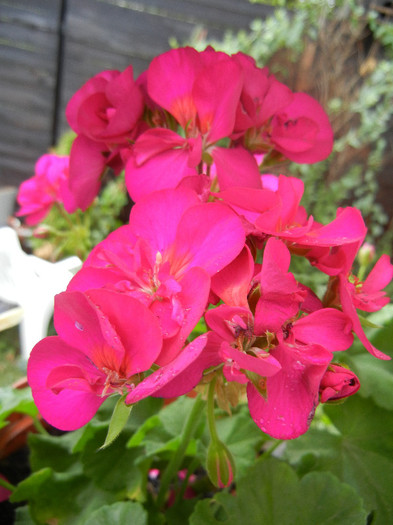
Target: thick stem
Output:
[{"x": 177, "y": 458}]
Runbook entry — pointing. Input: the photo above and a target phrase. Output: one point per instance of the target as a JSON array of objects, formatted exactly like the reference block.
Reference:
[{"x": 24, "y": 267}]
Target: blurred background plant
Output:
[
  {"x": 341, "y": 53},
  {"x": 61, "y": 234}
]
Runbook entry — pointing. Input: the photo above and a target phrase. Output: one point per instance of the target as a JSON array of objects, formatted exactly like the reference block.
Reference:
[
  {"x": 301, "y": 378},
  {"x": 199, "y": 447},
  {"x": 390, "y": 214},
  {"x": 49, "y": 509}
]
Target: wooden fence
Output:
[{"x": 49, "y": 48}]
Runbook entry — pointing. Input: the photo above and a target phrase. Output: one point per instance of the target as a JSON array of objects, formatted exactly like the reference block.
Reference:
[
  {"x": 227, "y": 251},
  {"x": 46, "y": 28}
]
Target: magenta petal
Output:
[
  {"x": 76, "y": 322},
  {"x": 216, "y": 93},
  {"x": 227, "y": 321},
  {"x": 292, "y": 393},
  {"x": 350, "y": 310},
  {"x": 166, "y": 376},
  {"x": 170, "y": 79},
  {"x": 209, "y": 236},
  {"x": 380, "y": 276},
  {"x": 232, "y": 283},
  {"x": 135, "y": 325},
  {"x": 69, "y": 409},
  {"x": 87, "y": 163},
  {"x": 156, "y": 217},
  {"x": 192, "y": 302},
  {"x": 162, "y": 171},
  {"x": 347, "y": 227},
  {"x": 236, "y": 167},
  {"x": 263, "y": 364},
  {"x": 327, "y": 327}
]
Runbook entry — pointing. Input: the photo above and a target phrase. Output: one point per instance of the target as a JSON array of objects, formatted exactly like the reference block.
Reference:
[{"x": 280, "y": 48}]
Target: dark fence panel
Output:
[
  {"x": 28, "y": 66},
  {"x": 46, "y": 41}
]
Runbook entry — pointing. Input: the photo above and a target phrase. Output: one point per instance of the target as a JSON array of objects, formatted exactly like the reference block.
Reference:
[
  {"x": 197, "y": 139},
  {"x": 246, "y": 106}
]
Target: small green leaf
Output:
[
  {"x": 118, "y": 514},
  {"x": 365, "y": 321},
  {"x": 118, "y": 421},
  {"x": 16, "y": 400}
]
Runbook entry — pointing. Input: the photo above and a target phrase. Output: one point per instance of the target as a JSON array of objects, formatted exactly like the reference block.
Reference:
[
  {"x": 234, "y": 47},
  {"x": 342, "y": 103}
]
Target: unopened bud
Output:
[
  {"x": 337, "y": 383},
  {"x": 366, "y": 254},
  {"x": 220, "y": 465}
]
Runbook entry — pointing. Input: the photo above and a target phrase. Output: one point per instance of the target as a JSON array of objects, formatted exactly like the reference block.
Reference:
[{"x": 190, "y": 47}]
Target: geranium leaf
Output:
[
  {"x": 317, "y": 498},
  {"x": 118, "y": 514},
  {"x": 118, "y": 421},
  {"x": 359, "y": 454}
]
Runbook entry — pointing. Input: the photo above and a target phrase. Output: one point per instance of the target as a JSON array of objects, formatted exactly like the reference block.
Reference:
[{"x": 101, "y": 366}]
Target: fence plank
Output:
[{"x": 28, "y": 63}]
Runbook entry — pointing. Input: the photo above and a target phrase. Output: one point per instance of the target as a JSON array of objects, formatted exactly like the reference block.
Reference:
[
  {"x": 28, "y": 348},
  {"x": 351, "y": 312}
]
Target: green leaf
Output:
[
  {"x": 118, "y": 421},
  {"x": 65, "y": 497},
  {"x": 118, "y": 514},
  {"x": 359, "y": 453},
  {"x": 271, "y": 493},
  {"x": 376, "y": 378},
  {"x": 16, "y": 400},
  {"x": 366, "y": 322},
  {"x": 51, "y": 451},
  {"x": 22, "y": 516},
  {"x": 114, "y": 468}
]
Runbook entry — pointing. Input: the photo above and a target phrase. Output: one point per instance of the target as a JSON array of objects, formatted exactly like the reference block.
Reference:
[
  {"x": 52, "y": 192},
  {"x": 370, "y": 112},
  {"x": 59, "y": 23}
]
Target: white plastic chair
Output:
[{"x": 31, "y": 283}]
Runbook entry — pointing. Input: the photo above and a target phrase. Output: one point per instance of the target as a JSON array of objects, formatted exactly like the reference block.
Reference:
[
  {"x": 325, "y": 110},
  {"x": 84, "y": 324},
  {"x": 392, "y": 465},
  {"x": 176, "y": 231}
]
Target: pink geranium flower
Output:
[
  {"x": 349, "y": 292},
  {"x": 165, "y": 258},
  {"x": 48, "y": 186},
  {"x": 271, "y": 117},
  {"x": 276, "y": 211},
  {"x": 278, "y": 350},
  {"x": 96, "y": 354},
  {"x": 105, "y": 113},
  {"x": 201, "y": 92}
]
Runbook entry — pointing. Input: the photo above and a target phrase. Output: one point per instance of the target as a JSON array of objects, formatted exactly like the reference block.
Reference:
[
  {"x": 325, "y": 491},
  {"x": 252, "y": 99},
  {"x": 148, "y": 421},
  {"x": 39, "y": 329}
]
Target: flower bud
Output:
[
  {"x": 219, "y": 464},
  {"x": 366, "y": 254},
  {"x": 337, "y": 383}
]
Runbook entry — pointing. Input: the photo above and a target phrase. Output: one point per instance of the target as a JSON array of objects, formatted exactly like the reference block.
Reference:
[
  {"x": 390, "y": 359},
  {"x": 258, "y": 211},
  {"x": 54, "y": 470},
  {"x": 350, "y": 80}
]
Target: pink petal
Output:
[
  {"x": 236, "y": 167},
  {"x": 192, "y": 300},
  {"x": 292, "y": 393},
  {"x": 157, "y": 216},
  {"x": 69, "y": 409},
  {"x": 166, "y": 381},
  {"x": 380, "y": 276},
  {"x": 165, "y": 170},
  {"x": 216, "y": 93},
  {"x": 327, "y": 327},
  {"x": 170, "y": 79},
  {"x": 263, "y": 364},
  {"x": 348, "y": 227},
  {"x": 232, "y": 283},
  {"x": 87, "y": 163},
  {"x": 350, "y": 310},
  {"x": 209, "y": 236},
  {"x": 135, "y": 326}
]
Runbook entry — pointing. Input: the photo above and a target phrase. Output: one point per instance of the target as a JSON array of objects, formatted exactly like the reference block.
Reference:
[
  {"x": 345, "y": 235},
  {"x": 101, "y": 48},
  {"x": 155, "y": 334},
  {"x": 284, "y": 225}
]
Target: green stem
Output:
[
  {"x": 192, "y": 466},
  {"x": 7, "y": 485},
  {"x": 210, "y": 411},
  {"x": 266, "y": 455},
  {"x": 174, "y": 464},
  {"x": 65, "y": 214}
]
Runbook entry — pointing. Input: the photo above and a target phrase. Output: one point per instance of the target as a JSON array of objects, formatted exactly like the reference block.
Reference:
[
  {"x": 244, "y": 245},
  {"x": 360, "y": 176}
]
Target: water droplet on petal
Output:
[{"x": 78, "y": 326}]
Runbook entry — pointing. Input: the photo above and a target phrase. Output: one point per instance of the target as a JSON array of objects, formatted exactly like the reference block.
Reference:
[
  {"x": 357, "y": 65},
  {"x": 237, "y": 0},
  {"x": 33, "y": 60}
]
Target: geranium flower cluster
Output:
[{"x": 208, "y": 237}]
